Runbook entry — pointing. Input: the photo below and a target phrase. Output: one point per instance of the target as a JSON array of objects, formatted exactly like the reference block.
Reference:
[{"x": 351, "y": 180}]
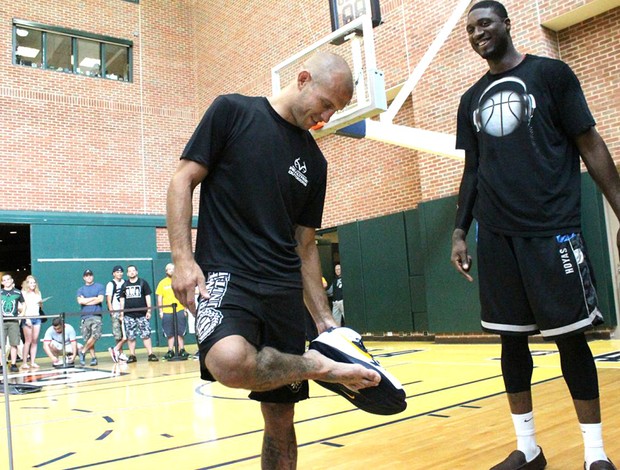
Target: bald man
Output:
[
  {"x": 263, "y": 182},
  {"x": 172, "y": 325}
]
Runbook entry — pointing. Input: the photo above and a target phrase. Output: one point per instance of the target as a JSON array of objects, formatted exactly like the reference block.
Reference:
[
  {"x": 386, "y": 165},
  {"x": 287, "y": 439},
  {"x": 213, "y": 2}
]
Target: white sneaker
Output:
[
  {"x": 345, "y": 345},
  {"x": 122, "y": 357}
]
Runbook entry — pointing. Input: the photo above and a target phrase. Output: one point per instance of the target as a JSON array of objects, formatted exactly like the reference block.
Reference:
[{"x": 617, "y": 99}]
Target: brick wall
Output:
[{"x": 76, "y": 143}]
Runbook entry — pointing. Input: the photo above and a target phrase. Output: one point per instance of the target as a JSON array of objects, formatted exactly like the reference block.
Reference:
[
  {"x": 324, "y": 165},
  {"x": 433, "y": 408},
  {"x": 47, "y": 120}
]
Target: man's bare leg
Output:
[
  {"x": 235, "y": 363},
  {"x": 90, "y": 346},
  {"x": 588, "y": 411},
  {"x": 520, "y": 403},
  {"x": 279, "y": 442}
]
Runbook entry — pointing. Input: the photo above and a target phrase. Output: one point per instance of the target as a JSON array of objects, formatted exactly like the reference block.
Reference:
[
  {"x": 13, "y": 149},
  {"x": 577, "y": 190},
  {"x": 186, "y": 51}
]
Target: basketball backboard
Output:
[{"x": 355, "y": 43}]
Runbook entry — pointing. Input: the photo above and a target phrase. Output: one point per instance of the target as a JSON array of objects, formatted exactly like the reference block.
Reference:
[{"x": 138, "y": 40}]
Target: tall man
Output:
[
  {"x": 263, "y": 186},
  {"x": 12, "y": 303},
  {"x": 136, "y": 294},
  {"x": 522, "y": 184},
  {"x": 90, "y": 298}
]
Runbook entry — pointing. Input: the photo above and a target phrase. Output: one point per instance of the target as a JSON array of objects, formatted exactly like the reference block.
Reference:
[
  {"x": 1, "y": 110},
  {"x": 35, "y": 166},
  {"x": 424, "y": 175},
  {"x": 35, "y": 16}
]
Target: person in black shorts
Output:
[
  {"x": 523, "y": 126},
  {"x": 263, "y": 182}
]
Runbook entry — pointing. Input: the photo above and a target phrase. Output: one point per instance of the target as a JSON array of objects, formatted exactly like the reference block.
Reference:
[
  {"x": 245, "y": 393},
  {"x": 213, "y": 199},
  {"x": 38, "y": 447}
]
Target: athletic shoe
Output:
[
  {"x": 345, "y": 345},
  {"x": 113, "y": 354},
  {"x": 131, "y": 359},
  {"x": 82, "y": 358},
  {"x": 14, "y": 368},
  {"x": 93, "y": 361},
  {"x": 169, "y": 355},
  {"x": 122, "y": 357},
  {"x": 34, "y": 365},
  {"x": 153, "y": 358},
  {"x": 516, "y": 461},
  {"x": 57, "y": 363},
  {"x": 600, "y": 465},
  {"x": 25, "y": 366},
  {"x": 183, "y": 353}
]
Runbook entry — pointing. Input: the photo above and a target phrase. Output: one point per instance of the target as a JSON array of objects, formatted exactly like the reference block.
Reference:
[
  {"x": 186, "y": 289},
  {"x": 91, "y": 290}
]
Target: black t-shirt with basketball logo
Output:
[
  {"x": 266, "y": 176},
  {"x": 135, "y": 294},
  {"x": 522, "y": 124}
]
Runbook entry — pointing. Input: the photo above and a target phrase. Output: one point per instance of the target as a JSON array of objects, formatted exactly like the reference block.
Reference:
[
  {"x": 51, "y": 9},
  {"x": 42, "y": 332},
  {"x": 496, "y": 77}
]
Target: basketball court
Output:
[{"x": 161, "y": 415}]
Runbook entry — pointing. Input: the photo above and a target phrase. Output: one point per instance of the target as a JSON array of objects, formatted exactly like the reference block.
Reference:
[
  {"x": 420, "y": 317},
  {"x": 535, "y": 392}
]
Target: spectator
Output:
[
  {"x": 90, "y": 298},
  {"x": 31, "y": 325},
  {"x": 54, "y": 339},
  {"x": 335, "y": 292},
  {"x": 113, "y": 298},
  {"x": 12, "y": 303},
  {"x": 165, "y": 296},
  {"x": 136, "y": 294}
]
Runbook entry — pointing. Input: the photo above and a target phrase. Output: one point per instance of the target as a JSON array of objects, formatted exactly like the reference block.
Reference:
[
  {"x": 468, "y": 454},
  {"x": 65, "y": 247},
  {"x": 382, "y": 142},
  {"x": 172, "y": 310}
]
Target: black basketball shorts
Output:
[
  {"x": 532, "y": 285},
  {"x": 263, "y": 314}
]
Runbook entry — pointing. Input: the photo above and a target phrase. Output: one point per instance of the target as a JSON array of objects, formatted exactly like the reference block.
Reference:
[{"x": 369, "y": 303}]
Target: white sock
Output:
[
  {"x": 593, "y": 443},
  {"x": 526, "y": 435}
]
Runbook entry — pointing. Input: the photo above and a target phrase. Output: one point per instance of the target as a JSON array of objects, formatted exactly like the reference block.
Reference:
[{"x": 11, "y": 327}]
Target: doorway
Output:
[{"x": 15, "y": 251}]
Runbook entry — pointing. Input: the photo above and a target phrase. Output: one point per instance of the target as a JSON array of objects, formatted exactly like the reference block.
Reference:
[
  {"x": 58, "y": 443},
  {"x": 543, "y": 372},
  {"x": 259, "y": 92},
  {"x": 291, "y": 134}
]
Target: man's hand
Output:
[
  {"x": 460, "y": 258},
  {"x": 187, "y": 276}
]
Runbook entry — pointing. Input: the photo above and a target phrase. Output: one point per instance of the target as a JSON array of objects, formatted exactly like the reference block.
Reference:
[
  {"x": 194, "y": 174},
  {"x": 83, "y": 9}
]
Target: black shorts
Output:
[
  {"x": 532, "y": 285},
  {"x": 263, "y": 314}
]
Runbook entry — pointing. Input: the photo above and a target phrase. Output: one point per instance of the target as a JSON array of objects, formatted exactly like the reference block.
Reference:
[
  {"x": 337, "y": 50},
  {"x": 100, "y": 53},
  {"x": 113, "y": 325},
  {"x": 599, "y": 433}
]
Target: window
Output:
[
  {"x": 70, "y": 51},
  {"x": 58, "y": 55},
  {"x": 88, "y": 58},
  {"x": 29, "y": 48}
]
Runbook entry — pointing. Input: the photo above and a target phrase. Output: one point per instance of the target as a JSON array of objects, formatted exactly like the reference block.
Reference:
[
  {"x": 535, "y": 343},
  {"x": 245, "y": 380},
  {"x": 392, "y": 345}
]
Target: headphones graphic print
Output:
[{"x": 502, "y": 110}]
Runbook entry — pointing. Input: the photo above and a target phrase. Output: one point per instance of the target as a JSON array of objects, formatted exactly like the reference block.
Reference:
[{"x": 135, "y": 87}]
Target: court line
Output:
[
  {"x": 377, "y": 426},
  {"x": 68, "y": 454},
  {"x": 318, "y": 441}
]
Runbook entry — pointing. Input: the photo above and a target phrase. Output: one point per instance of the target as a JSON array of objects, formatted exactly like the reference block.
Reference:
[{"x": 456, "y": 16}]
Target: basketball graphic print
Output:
[
  {"x": 501, "y": 114},
  {"x": 503, "y": 107}
]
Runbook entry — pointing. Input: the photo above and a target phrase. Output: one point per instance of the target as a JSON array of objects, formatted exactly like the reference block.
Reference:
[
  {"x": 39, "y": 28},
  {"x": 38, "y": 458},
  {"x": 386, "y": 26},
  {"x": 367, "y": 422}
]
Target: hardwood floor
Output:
[{"x": 162, "y": 416}]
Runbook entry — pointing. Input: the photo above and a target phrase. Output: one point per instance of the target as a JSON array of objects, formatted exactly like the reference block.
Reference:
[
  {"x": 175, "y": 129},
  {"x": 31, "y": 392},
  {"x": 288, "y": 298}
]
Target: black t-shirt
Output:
[
  {"x": 266, "y": 176},
  {"x": 9, "y": 302},
  {"x": 336, "y": 289},
  {"x": 135, "y": 294},
  {"x": 522, "y": 124}
]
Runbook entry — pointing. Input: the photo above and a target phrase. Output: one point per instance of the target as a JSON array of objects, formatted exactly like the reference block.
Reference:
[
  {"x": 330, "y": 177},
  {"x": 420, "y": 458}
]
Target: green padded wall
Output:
[
  {"x": 452, "y": 301},
  {"x": 352, "y": 277},
  {"x": 386, "y": 272},
  {"x": 376, "y": 274},
  {"x": 59, "y": 265},
  {"x": 416, "y": 257},
  {"x": 595, "y": 234}
]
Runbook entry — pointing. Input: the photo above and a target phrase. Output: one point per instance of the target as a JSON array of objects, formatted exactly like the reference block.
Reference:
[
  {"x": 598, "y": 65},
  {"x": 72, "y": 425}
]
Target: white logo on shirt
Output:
[{"x": 298, "y": 170}]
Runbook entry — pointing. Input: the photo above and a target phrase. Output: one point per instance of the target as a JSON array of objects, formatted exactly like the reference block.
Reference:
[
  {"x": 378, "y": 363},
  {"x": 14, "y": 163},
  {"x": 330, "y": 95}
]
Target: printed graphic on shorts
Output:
[
  {"x": 577, "y": 246},
  {"x": 565, "y": 252},
  {"x": 295, "y": 387},
  {"x": 208, "y": 317}
]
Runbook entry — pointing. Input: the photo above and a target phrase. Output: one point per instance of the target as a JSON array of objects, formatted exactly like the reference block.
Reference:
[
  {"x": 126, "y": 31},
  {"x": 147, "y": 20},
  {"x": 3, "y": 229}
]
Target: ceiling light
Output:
[
  {"x": 22, "y": 33},
  {"x": 13, "y": 233},
  {"x": 89, "y": 62},
  {"x": 28, "y": 52}
]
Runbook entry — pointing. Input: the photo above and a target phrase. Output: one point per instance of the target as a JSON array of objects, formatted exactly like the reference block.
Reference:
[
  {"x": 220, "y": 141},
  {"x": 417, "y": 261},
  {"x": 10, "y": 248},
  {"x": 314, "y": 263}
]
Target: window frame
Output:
[{"x": 74, "y": 34}]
